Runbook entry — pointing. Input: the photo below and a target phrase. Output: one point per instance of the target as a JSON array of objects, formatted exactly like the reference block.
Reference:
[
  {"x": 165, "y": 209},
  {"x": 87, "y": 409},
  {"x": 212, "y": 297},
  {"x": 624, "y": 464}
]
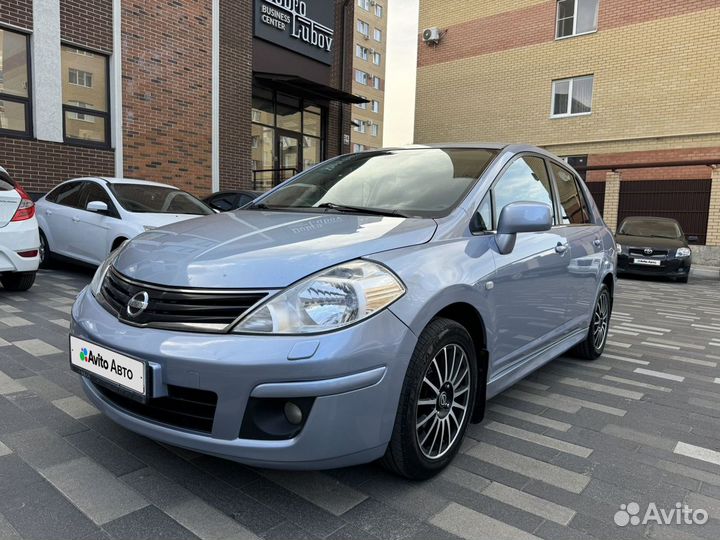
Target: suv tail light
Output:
[{"x": 26, "y": 210}]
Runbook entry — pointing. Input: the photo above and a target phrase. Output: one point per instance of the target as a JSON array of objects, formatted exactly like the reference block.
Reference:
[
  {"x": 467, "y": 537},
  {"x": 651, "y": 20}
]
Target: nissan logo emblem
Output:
[
  {"x": 137, "y": 304},
  {"x": 648, "y": 251}
]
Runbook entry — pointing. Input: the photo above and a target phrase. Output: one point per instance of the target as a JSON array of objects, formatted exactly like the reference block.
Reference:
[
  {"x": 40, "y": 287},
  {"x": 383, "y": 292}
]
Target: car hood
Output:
[
  {"x": 159, "y": 220},
  {"x": 259, "y": 249},
  {"x": 650, "y": 241}
]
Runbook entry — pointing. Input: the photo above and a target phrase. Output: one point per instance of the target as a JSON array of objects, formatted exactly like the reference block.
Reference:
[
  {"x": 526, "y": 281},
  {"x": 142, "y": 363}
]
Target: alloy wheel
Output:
[
  {"x": 601, "y": 319},
  {"x": 442, "y": 403},
  {"x": 42, "y": 250}
]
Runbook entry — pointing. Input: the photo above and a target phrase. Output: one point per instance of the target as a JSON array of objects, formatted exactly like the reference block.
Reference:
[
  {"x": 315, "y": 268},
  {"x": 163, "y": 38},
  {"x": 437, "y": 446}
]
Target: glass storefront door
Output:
[{"x": 288, "y": 154}]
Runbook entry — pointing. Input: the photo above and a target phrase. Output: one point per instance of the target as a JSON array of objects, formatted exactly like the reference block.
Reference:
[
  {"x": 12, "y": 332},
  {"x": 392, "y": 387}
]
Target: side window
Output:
[
  {"x": 95, "y": 192},
  {"x": 223, "y": 202},
  {"x": 525, "y": 180},
  {"x": 243, "y": 200},
  {"x": 572, "y": 202},
  {"x": 69, "y": 194}
]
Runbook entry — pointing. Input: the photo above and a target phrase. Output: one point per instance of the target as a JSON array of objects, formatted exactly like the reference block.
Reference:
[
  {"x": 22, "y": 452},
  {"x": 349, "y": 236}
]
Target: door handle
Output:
[
  {"x": 597, "y": 242},
  {"x": 75, "y": 219},
  {"x": 48, "y": 212},
  {"x": 561, "y": 248}
]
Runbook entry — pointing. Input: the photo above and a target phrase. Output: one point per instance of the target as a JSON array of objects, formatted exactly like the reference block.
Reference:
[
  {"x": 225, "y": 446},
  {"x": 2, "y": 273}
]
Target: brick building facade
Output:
[
  {"x": 598, "y": 81},
  {"x": 206, "y": 95}
]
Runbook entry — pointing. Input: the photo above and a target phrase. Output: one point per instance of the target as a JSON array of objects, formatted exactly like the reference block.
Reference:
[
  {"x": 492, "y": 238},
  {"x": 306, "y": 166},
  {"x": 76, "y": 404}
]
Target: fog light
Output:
[
  {"x": 28, "y": 253},
  {"x": 293, "y": 413}
]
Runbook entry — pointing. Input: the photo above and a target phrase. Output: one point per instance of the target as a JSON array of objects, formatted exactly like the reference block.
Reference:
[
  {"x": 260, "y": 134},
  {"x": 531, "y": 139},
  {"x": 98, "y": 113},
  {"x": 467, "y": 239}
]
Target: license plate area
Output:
[
  {"x": 647, "y": 262},
  {"x": 116, "y": 371}
]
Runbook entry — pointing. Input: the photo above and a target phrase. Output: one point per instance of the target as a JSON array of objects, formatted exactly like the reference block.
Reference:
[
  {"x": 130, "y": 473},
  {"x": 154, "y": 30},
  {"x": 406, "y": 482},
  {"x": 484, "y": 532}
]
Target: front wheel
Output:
[
  {"x": 18, "y": 281},
  {"x": 594, "y": 344},
  {"x": 436, "y": 401}
]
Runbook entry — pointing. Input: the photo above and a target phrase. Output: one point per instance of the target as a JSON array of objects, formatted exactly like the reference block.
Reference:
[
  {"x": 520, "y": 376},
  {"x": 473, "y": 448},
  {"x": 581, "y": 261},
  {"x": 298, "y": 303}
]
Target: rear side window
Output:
[
  {"x": 67, "y": 194},
  {"x": 572, "y": 202},
  {"x": 6, "y": 183},
  {"x": 525, "y": 180}
]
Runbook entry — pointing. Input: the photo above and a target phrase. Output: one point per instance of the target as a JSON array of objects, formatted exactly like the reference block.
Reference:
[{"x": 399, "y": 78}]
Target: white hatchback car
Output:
[
  {"x": 86, "y": 218},
  {"x": 19, "y": 242}
]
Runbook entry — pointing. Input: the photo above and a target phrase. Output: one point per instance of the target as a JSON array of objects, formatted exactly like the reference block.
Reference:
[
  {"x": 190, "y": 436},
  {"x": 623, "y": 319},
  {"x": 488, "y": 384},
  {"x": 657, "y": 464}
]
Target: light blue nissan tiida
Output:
[{"x": 365, "y": 309}]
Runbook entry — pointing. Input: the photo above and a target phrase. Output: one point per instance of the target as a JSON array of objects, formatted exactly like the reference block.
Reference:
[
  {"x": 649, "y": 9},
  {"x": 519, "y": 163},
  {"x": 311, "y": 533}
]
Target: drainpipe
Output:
[{"x": 341, "y": 142}]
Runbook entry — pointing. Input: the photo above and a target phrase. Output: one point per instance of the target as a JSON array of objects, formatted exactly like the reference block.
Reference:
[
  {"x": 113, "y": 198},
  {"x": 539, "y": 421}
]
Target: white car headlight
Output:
[
  {"x": 102, "y": 270},
  {"x": 328, "y": 300},
  {"x": 618, "y": 247},
  {"x": 683, "y": 252}
]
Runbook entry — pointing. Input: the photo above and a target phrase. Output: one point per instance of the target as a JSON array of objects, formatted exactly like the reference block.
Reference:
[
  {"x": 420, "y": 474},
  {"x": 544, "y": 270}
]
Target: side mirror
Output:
[
  {"x": 519, "y": 217},
  {"x": 97, "y": 206},
  {"x": 692, "y": 238}
]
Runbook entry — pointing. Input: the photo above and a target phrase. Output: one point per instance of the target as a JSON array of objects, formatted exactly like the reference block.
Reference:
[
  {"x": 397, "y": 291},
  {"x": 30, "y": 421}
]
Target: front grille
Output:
[
  {"x": 199, "y": 310},
  {"x": 185, "y": 408},
  {"x": 640, "y": 252}
]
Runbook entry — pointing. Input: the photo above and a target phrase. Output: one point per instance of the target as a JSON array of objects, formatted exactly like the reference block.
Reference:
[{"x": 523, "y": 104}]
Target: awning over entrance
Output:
[{"x": 298, "y": 86}]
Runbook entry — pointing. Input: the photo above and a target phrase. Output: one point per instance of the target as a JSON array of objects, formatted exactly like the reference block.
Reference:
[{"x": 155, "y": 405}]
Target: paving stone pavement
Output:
[{"x": 555, "y": 458}]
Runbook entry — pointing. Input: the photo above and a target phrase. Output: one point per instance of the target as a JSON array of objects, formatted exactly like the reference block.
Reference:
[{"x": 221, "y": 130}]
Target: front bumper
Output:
[
  {"x": 354, "y": 375},
  {"x": 669, "y": 266}
]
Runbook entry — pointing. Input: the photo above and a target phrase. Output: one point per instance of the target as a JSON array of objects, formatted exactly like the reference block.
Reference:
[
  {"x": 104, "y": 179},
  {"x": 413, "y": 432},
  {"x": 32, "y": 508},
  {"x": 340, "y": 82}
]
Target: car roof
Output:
[
  {"x": 116, "y": 180},
  {"x": 2, "y": 169},
  {"x": 649, "y": 218},
  {"x": 504, "y": 147}
]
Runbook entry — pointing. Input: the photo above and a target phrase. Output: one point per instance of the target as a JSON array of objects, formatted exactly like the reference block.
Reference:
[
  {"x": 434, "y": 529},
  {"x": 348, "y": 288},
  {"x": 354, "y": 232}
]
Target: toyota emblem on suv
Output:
[
  {"x": 137, "y": 304},
  {"x": 648, "y": 251}
]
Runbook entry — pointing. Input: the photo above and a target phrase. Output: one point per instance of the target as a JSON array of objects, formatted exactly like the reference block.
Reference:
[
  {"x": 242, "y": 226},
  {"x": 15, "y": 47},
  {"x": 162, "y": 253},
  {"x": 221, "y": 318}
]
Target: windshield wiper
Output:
[{"x": 360, "y": 210}]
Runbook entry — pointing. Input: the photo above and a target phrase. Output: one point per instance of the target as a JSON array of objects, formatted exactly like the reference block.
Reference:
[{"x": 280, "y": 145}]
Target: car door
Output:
[
  {"x": 529, "y": 290},
  {"x": 65, "y": 202},
  {"x": 584, "y": 238},
  {"x": 91, "y": 231}
]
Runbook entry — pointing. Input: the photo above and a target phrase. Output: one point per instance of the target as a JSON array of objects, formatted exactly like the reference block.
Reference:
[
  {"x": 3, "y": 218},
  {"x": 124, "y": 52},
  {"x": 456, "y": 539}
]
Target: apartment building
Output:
[
  {"x": 370, "y": 37},
  {"x": 629, "y": 91},
  {"x": 205, "y": 95}
]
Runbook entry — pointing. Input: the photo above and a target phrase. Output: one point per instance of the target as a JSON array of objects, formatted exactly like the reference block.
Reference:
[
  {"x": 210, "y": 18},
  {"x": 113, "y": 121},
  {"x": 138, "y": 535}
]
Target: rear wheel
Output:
[
  {"x": 44, "y": 251},
  {"x": 18, "y": 281},
  {"x": 594, "y": 343},
  {"x": 435, "y": 403}
]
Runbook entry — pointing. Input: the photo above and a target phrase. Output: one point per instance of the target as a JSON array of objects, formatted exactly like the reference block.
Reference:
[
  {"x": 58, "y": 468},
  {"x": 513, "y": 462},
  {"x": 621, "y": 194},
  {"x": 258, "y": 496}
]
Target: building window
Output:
[
  {"x": 359, "y": 126},
  {"x": 377, "y": 58},
  {"x": 378, "y": 35},
  {"x": 365, "y": 4},
  {"x": 363, "y": 28},
  {"x": 378, "y": 10},
  {"x": 14, "y": 83},
  {"x": 377, "y": 83},
  {"x": 86, "y": 117},
  {"x": 375, "y": 106},
  {"x": 572, "y": 96},
  {"x": 362, "y": 105},
  {"x": 575, "y": 17},
  {"x": 358, "y": 147},
  {"x": 374, "y": 130},
  {"x": 361, "y": 76},
  {"x": 361, "y": 52}
]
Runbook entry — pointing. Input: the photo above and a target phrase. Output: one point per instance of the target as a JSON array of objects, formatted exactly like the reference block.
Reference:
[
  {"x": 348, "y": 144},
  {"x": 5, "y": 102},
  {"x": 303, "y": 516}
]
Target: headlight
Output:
[
  {"x": 619, "y": 248},
  {"x": 328, "y": 300},
  {"x": 683, "y": 252},
  {"x": 99, "y": 276},
  {"x": 148, "y": 227}
]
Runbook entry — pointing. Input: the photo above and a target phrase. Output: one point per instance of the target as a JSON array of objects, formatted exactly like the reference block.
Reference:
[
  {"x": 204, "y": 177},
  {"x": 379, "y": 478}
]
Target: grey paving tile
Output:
[
  {"x": 36, "y": 347},
  {"x": 7, "y": 531},
  {"x": 75, "y": 407},
  {"x": 466, "y": 523},
  {"x": 16, "y": 475},
  {"x": 318, "y": 488},
  {"x": 382, "y": 521},
  {"x": 106, "y": 453},
  {"x": 4, "y": 450},
  {"x": 287, "y": 530},
  {"x": 148, "y": 524},
  {"x": 8, "y": 385},
  {"x": 45, "y": 388},
  {"x": 416, "y": 499},
  {"x": 14, "y": 321},
  {"x": 542, "y": 440},
  {"x": 41, "y": 448},
  {"x": 41, "y": 512},
  {"x": 94, "y": 490},
  {"x": 233, "y": 473}
]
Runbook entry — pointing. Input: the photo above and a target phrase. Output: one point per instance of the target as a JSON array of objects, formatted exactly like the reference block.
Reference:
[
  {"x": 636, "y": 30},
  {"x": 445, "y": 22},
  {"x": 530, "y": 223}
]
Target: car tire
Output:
[
  {"x": 44, "y": 250},
  {"x": 18, "y": 281},
  {"x": 594, "y": 343},
  {"x": 443, "y": 346}
]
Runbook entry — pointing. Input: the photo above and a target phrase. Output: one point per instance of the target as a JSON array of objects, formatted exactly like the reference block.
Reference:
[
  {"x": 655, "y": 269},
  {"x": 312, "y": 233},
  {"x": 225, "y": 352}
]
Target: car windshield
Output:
[
  {"x": 427, "y": 182},
  {"x": 143, "y": 198},
  {"x": 659, "y": 229}
]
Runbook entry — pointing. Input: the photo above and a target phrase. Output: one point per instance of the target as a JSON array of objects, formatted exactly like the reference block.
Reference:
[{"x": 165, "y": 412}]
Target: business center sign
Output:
[{"x": 303, "y": 26}]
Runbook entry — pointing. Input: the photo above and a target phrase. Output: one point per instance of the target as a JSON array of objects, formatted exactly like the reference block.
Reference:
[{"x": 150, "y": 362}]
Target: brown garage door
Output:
[{"x": 687, "y": 201}]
